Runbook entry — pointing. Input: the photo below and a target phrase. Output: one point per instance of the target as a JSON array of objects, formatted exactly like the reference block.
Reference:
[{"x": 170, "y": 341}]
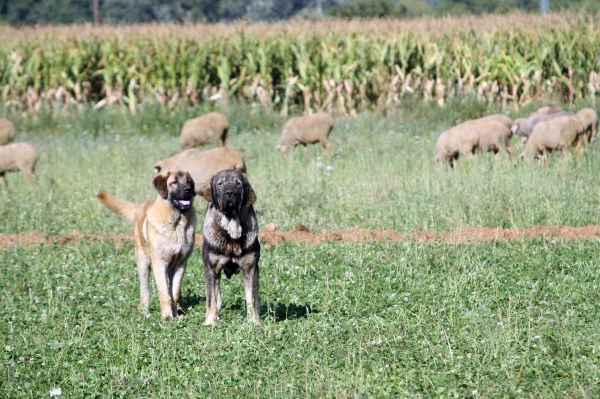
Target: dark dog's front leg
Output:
[
  {"x": 213, "y": 294},
  {"x": 252, "y": 295}
]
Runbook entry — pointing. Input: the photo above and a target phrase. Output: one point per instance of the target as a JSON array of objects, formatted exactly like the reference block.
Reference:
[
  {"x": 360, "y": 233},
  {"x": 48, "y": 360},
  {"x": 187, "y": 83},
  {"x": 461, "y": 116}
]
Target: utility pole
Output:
[
  {"x": 96, "y": 12},
  {"x": 545, "y": 6}
]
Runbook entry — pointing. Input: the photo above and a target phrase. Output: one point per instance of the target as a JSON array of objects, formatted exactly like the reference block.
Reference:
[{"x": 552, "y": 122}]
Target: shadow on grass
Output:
[
  {"x": 281, "y": 312},
  {"x": 278, "y": 311},
  {"x": 191, "y": 301}
]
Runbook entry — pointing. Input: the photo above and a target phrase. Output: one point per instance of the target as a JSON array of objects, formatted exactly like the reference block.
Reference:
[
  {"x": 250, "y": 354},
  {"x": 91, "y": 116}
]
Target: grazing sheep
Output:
[
  {"x": 18, "y": 156},
  {"x": 589, "y": 119},
  {"x": 203, "y": 130},
  {"x": 459, "y": 140},
  {"x": 547, "y": 110},
  {"x": 494, "y": 136},
  {"x": 7, "y": 131},
  {"x": 202, "y": 165},
  {"x": 306, "y": 130},
  {"x": 524, "y": 126},
  {"x": 559, "y": 133},
  {"x": 505, "y": 120}
]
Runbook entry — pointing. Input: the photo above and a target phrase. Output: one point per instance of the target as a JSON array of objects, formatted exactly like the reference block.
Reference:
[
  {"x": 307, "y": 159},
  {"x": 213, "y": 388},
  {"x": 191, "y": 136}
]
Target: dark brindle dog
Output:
[{"x": 230, "y": 241}]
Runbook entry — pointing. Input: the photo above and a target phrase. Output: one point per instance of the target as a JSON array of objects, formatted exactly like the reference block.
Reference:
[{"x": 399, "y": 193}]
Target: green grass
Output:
[
  {"x": 341, "y": 320},
  {"x": 381, "y": 177}
]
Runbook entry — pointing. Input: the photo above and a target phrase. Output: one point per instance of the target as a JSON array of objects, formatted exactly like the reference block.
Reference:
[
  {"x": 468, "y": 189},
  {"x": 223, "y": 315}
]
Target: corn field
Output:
[{"x": 336, "y": 66}]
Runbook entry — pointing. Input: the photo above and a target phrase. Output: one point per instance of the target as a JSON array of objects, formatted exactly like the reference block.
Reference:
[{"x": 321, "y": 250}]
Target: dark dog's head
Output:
[
  {"x": 176, "y": 187},
  {"x": 230, "y": 191}
]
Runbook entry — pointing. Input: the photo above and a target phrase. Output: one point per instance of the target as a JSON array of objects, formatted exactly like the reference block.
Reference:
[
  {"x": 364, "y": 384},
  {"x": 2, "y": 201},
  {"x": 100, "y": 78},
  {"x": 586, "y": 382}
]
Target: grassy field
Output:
[
  {"x": 410, "y": 320},
  {"x": 340, "y": 320}
]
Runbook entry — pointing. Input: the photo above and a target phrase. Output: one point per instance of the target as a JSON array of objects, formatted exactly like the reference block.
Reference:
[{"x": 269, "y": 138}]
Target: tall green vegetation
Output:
[{"x": 318, "y": 69}]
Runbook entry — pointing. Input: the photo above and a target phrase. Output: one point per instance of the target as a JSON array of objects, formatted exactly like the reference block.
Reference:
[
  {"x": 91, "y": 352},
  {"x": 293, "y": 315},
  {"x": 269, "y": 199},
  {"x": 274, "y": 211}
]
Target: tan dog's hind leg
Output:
[
  {"x": 143, "y": 267},
  {"x": 167, "y": 307},
  {"x": 213, "y": 295},
  {"x": 252, "y": 295}
]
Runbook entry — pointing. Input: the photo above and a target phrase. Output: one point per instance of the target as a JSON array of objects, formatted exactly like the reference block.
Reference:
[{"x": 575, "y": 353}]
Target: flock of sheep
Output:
[
  {"x": 202, "y": 165},
  {"x": 546, "y": 130}
]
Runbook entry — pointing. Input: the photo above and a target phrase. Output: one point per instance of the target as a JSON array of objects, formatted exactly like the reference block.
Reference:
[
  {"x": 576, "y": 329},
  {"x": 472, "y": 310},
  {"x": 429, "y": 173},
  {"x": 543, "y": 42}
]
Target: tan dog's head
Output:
[
  {"x": 176, "y": 187},
  {"x": 230, "y": 191}
]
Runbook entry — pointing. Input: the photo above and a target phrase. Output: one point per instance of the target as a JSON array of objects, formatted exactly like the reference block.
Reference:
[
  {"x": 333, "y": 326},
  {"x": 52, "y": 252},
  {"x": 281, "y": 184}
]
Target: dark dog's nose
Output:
[{"x": 229, "y": 193}]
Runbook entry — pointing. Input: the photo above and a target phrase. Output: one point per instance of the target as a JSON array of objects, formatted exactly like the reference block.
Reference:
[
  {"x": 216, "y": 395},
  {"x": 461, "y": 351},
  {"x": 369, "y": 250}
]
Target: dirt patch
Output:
[{"x": 303, "y": 235}]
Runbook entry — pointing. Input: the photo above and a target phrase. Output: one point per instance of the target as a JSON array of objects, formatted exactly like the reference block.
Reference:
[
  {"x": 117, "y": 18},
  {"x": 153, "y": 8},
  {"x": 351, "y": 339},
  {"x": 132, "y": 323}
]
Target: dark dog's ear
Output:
[
  {"x": 251, "y": 196},
  {"x": 208, "y": 194},
  {"x": 209, "y": 190},
  {"x": 160, "y": 183}
]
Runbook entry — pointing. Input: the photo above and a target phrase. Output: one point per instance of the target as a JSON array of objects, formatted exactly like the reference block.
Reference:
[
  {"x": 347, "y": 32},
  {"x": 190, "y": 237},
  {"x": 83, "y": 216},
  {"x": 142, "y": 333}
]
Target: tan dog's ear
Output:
[{"x": 160, "y": 183}]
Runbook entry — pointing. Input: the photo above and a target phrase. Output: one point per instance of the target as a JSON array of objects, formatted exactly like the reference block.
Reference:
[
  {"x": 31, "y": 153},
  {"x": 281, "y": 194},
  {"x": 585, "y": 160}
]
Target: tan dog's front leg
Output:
[
  {"x": 175, "y": 277},
  {"x": 167, "y": 306},
  {"x": 213, "y": 294},
  {"x": 143, "y": 268}
]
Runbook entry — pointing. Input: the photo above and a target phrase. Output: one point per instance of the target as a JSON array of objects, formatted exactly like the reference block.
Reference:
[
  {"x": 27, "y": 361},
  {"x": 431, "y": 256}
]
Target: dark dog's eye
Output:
[
  {"x": 238, "y": 183},
  {"x": 220, "y": 184}
]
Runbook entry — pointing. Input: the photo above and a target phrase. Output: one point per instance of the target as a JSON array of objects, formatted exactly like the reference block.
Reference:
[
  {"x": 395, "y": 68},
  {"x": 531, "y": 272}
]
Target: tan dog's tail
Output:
[{"x": 119, "y": 206}]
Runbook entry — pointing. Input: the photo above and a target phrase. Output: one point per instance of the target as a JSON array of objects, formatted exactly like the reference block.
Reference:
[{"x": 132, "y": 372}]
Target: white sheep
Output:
[
  {"x": 204, "y": 130},
  {"x": 18, "y": 156},
  {"x": 202, "y": 165},
  {"x": 306, "y": 130}
]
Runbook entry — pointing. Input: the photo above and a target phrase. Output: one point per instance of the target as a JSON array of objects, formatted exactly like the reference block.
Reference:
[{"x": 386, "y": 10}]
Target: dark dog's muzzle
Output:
[{"x": 230, "y": 201}]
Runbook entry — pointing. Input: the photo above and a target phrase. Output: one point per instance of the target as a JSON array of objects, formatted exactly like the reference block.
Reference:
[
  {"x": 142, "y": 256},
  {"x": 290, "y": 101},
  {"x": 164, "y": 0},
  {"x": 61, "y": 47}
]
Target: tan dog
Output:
[
  {"x": 164, "y": 231},
  {"x": 230, "y": 241}
]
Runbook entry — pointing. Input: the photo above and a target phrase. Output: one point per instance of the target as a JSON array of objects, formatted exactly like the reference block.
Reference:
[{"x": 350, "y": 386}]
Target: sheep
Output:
[
  {"x": 7, "y": 131},
  {"x": 589, "y": 119},
  {"x": 203, "y": 130},
  {"x": 18, "y": 156},
  {"x": 306, "y": 130},
  {"x": 505, "y": 120},
  {"x": 459, "y": 140},
  {"x": 523, "y": 127},
  {"x": 493, "y": 136},
  {"x": 202, "y": 165},
  {"x": 559, "y": 133},
  {"x": 547, "y": 110}
]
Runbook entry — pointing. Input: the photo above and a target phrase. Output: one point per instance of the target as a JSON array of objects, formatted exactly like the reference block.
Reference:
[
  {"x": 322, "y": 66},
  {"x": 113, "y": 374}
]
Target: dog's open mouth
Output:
[{"x": 181, "y": 204}]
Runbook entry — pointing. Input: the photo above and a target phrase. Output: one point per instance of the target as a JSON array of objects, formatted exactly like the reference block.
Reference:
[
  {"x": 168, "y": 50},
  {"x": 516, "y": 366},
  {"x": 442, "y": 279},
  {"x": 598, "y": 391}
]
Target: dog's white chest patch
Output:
[{"x": 232, "y": 226}]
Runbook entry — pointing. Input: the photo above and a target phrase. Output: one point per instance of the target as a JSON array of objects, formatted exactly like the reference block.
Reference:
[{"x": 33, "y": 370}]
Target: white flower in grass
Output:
[{"x": 55, "y": 392}]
